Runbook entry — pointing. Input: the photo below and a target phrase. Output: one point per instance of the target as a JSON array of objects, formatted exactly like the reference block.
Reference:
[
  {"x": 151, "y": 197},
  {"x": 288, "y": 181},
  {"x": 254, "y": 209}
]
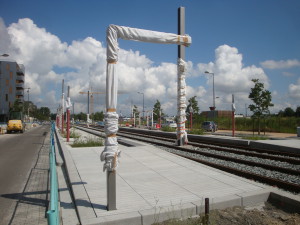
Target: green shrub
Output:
[
  {"x": 196, "y": 131},
  {"x": 168, "y": 129}
]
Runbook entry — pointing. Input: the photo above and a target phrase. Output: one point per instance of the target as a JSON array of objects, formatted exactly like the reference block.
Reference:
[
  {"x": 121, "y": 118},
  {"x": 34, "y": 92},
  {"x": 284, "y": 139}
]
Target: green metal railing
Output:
[{"x": 53, "y": 212}]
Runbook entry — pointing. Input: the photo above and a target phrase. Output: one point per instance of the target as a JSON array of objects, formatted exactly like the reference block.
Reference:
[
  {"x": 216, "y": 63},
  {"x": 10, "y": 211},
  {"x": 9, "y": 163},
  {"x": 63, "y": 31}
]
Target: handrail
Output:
[{"x": 53, "y": 212}]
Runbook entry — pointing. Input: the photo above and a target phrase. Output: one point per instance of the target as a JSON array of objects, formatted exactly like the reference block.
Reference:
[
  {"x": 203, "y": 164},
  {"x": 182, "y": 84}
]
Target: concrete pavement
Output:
[{"x": 154, "y": 185}]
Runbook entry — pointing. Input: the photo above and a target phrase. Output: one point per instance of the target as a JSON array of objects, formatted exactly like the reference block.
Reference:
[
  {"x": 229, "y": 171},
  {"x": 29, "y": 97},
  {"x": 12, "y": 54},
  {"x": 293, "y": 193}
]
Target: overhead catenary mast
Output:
[{"x": 181, "y": 90}]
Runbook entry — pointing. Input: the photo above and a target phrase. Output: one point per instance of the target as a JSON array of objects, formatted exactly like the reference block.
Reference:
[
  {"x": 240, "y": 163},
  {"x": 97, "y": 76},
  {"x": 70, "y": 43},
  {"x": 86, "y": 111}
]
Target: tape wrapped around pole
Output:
[{"x": 111, "y": 152}]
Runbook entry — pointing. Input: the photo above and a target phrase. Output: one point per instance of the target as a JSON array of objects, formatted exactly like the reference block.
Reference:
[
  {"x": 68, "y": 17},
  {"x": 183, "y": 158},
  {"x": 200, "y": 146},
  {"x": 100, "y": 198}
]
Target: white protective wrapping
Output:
[
  {"x": 111, "y": 152},
  {"x": 181, "y": 101},
  {"x": 68, "y": 103}
]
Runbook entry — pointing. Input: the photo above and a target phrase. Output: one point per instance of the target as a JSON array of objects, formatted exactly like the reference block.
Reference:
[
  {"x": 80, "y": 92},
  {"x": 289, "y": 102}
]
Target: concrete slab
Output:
[
  {"x": 154, "y": 185},
  {"x": 150, "y": 178},
  {"x": 288, "y": 145}
]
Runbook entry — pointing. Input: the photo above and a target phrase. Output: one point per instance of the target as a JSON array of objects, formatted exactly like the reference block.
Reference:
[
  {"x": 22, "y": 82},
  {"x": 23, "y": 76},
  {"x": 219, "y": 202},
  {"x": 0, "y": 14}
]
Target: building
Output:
[{"x": 12, "y": 79}]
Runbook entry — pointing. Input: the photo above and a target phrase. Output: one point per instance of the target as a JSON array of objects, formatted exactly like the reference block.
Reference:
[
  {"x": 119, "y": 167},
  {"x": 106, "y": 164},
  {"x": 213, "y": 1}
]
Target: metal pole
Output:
[
  {"x": 214, "y": 99},
  {"x": 152, "y": 118},
  {"x": 233, "y": 122},
  {"x": 28, "y": 103},
  {"x": 68, "y": 117},
  {"x": 143, "y": 107},
  {"x": 111, "y": 190},
  {"x": 181, "y": 55},
  {"x": 63, "y": 110},
  {"x": 88, "y": 109},
  {"x": 191, "y": 120}
]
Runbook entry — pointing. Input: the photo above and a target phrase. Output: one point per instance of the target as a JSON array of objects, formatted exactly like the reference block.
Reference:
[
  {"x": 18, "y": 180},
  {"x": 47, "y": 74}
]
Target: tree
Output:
[
  {"x": 157, "y": 111},
  {"x": 289, "y": 112},
  {"x": 262, "y": 101},
  {"x": 17, "y": 106},
  {"x": 81, "y": 116},
  {"x": 42, "y": 113},
  {"x": 99, "y": 116},
  {"x": 194, "y": 103},
  {"x": 297, "y": 113}
]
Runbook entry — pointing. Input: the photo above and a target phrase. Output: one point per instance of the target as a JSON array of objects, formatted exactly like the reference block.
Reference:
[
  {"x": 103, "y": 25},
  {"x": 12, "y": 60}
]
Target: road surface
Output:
[{"x": 19, "y": 154}]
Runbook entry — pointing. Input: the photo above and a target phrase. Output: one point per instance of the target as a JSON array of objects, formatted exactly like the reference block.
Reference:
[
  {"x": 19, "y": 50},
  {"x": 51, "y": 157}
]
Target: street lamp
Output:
[
  {"x": 143, "y": 102},
  {"x": 214, "y": 99},
  {"x": 5, "y": 55},
  {"x": 191, "y": 116},
  {"x": 28, "y": 88}
]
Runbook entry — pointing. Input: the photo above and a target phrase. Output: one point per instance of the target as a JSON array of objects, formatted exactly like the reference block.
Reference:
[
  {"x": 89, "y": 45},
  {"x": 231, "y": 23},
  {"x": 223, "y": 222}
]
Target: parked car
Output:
[
  {"x": 209, "y": 126},
  {"x": 101, "y": 123},
  {"x": 172, "y": 124}
]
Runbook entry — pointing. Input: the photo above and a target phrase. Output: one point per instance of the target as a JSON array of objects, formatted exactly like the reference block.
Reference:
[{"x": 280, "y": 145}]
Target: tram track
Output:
[{"x": 282, "y": 170}]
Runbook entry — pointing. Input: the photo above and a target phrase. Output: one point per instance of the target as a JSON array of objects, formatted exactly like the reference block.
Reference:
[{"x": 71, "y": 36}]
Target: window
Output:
[
  {"x": 11, "y": 75},
  {"x": 7, "y": 66},
  {"x": 10, "y": 90},
  {"x": 7, "y": 82}
]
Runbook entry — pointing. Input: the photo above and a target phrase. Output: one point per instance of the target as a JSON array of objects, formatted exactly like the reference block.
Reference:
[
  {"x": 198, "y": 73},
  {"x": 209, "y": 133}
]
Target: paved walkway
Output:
[{"x": 153, "y": 185}]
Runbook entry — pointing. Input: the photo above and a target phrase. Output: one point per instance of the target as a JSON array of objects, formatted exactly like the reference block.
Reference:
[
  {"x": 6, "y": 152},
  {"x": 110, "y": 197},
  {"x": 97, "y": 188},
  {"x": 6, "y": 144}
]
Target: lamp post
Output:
[
  {"x": 214, "y": 103},
  {"x": 143, "y": 103},
  {"x": 28, "y": 102},
  {"x": 191, "y": 117}
]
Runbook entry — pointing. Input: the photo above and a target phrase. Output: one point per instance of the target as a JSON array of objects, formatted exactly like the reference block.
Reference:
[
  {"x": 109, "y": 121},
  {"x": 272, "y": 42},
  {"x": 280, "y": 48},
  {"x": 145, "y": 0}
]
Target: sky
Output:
[{"x": 237, "y": 40}]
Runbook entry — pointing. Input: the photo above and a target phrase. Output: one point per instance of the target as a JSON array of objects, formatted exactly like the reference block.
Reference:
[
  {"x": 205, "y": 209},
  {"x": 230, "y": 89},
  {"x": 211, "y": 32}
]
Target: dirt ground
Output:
[{"x": 266, "y": 214}]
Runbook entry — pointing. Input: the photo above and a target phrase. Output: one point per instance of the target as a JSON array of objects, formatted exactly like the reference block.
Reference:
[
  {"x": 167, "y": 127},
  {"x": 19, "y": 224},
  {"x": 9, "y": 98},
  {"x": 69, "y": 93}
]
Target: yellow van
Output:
[{"x": 15, "y": 122}]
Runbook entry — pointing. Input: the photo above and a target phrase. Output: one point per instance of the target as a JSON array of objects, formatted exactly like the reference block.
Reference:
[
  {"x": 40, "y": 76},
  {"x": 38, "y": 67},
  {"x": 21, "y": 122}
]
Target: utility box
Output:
[{"x": 298, "y": 131}]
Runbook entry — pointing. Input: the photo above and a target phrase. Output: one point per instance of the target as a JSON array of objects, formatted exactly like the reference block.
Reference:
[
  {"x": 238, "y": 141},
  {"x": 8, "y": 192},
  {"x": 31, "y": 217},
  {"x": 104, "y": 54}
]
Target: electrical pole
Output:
[
  {"x": 68, "y": 115},
  {"x": 233, "y": 119},
  {"x": 62, "y": 107},
  {"x": 181, "y": 99},
  {"x": 28, "y": 102}
]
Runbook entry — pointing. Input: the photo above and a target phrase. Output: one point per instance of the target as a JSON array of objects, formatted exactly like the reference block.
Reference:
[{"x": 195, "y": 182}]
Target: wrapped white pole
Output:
[
  {"x": 181, "y": 93},
  {"x": 152, "y": 118},
  {"x": 111, "y": 152},
  {"x": 147, "y": 118}
]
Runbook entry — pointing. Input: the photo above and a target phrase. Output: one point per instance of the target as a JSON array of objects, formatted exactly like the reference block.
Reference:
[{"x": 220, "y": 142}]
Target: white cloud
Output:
[
  {"x": 294, "y": 90},
  {"x": 282, "y": 64},
  {"x": 230, "y": 77},
  {"x": 37, "y": 49},
  {"x": 45, "y": 57}
]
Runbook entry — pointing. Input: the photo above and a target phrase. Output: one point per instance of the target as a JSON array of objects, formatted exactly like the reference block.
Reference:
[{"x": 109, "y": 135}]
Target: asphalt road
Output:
[{"x": 18, "y": 155}]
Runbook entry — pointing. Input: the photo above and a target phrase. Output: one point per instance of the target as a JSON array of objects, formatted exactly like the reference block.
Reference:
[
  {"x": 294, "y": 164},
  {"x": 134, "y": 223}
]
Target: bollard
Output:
[{"x": 206, "y": 216}]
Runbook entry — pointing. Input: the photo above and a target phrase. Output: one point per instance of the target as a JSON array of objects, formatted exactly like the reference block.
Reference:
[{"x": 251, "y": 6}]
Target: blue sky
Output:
[{"x": 229, "y": 38}]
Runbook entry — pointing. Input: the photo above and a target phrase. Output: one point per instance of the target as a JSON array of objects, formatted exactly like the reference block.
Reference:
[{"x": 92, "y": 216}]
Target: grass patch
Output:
[
  {"x": 196, "y": 131},
  {"x": 89, "y": 141},
  {"x": 255, "y": 138},
  {"x": 168, "y": 129}
]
